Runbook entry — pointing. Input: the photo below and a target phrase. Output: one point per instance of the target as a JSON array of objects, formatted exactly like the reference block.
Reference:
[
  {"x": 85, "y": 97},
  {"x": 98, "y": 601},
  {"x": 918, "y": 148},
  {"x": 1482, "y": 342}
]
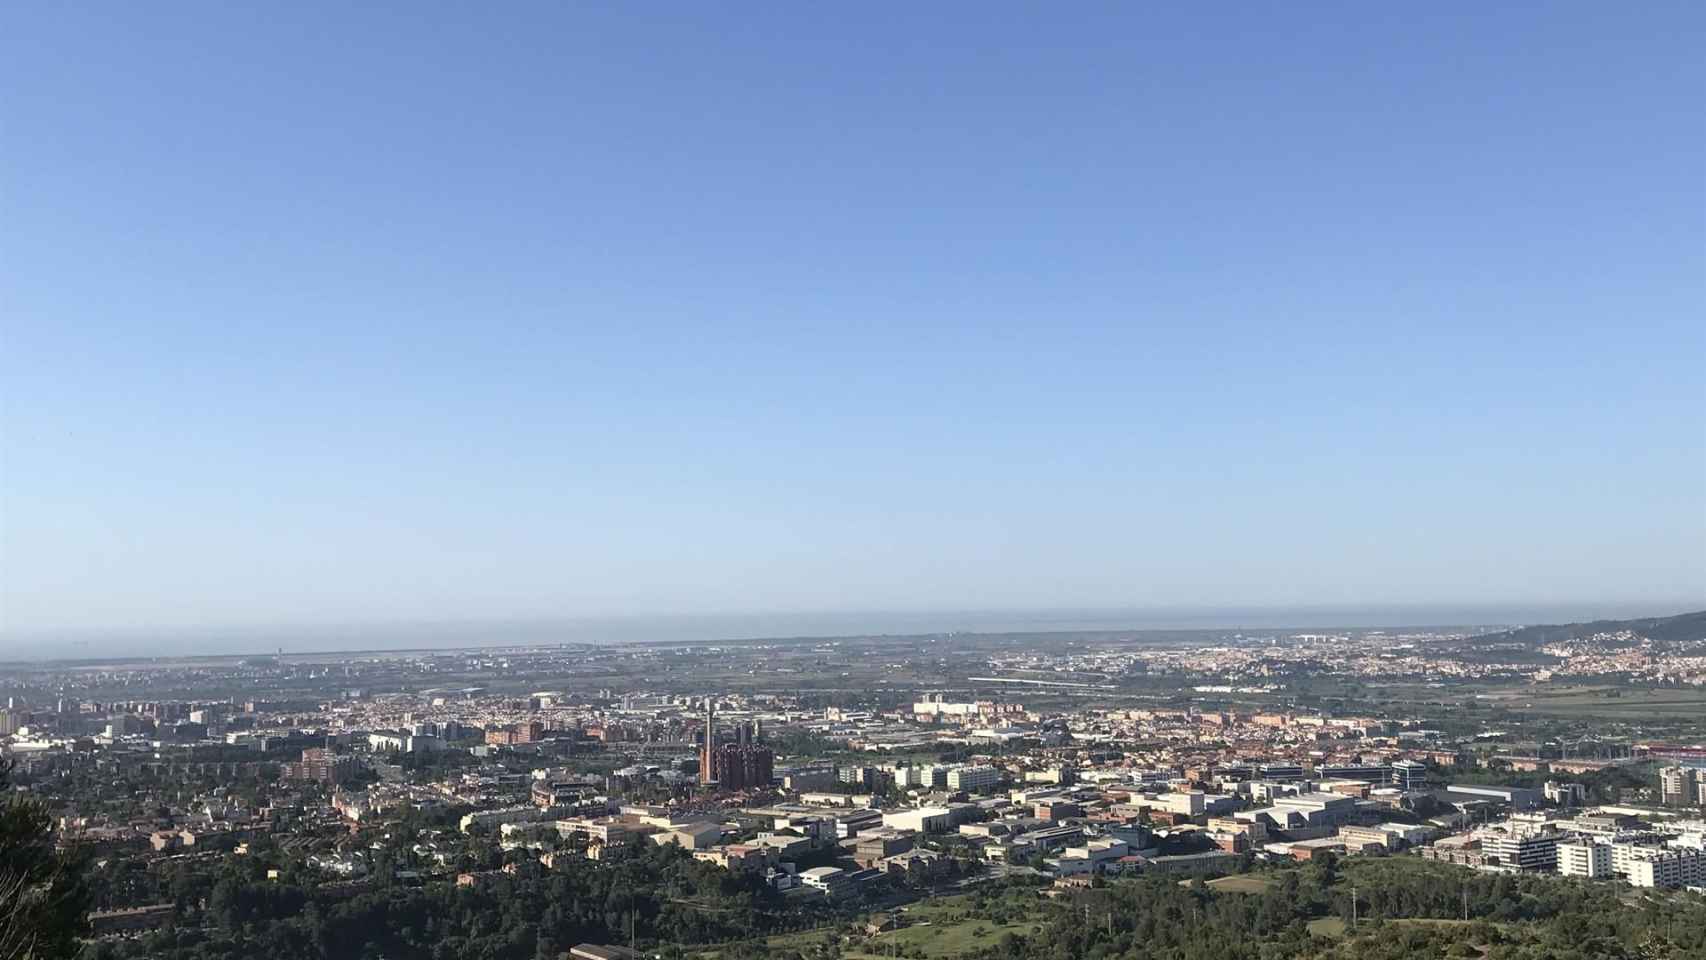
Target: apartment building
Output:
[
  {"x": 1668, "y": 868},
  {"x": 977, "y": 778},
  {"x": 1584, "y": 858}
]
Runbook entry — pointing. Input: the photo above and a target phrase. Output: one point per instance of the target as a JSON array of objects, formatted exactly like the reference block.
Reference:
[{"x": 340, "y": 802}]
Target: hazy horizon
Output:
[
  {"x": 304, "y": 638},
  {"x": 345, "y": 314}
]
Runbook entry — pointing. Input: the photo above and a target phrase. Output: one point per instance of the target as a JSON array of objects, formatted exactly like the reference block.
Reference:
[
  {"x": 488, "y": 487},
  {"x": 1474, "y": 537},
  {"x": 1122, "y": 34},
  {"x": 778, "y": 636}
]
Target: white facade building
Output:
[
  {"x": 1584, "y": 858},
  {"x": 829, "y": 881},
  {"x": 1668, "y": 868},
  {"x": 923, "y": 819},
  {"x": 973, "y": 779}
]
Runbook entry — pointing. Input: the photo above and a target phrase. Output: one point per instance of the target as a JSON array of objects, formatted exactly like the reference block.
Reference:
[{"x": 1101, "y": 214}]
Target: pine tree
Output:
[{"x": 44, "y": 903}]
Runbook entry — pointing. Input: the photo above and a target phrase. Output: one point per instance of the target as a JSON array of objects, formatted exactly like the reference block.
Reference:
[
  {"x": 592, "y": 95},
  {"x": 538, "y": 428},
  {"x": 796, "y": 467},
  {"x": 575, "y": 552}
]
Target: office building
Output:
[
  {"x": 1534, "y": 852},
  {"x": 1520, "y": 798},
  {"x": 1373, "y": 773},
  {"x": 832, "y": 882},
  {"x": 1409, "y": 775}
]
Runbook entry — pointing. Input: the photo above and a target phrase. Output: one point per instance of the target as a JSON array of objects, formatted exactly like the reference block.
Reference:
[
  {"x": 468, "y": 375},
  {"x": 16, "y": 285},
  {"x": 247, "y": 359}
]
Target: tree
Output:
[{"x": 44, "y": 903}]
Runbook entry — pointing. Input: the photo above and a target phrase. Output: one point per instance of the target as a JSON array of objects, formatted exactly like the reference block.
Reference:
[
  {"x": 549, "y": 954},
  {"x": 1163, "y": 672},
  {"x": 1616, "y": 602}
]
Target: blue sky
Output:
[{"x": 317, "y": 314}]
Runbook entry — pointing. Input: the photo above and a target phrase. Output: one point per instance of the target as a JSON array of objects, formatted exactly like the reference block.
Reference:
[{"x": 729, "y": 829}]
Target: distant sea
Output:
[{"x": 209, "y": 641}]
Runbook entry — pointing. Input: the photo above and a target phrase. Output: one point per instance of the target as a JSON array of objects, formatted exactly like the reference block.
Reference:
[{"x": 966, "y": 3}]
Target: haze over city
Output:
[{"x": 583, "y": 314}]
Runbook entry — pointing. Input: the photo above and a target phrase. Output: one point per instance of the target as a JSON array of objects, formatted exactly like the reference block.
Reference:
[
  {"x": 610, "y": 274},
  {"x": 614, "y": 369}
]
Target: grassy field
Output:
[
  {"x": 1561, "y": 698},
  {"x": 934, "y": 928},
  {"x": 1327, "y": 927},
  {"x": 1237, "y": 883},
  {"x": 1335, "y": 926},
  {"x": 938, "y": 940},
  {"x": 1242, "y": 883},
  {"x": 795, "y": 941}
]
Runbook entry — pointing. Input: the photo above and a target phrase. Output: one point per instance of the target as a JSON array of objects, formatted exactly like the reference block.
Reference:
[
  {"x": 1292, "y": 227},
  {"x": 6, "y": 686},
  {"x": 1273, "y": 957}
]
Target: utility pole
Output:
[
  {"x": 1465, "y": 902},
  {"x": 1353, "y": 908}
]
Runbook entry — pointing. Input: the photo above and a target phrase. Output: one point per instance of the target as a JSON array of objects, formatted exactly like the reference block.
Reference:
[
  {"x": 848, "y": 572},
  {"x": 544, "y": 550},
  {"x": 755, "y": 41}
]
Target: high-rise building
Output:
[
  {"x": 1677, "y": 785},
  {"x": 733, "y": 766},
  {"x": 706, "y": 775},
  {"x": 10, "y": 721}
]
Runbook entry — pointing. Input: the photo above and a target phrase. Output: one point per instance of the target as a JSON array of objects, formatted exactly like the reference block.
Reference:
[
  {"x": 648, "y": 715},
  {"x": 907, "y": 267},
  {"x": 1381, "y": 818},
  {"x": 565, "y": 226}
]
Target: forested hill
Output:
[{"x": 1682, "y": 627}]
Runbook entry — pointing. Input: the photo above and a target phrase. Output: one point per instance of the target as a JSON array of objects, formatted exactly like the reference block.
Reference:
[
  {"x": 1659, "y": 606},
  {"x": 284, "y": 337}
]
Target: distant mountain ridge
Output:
[{"x": 1678, "y": 628}]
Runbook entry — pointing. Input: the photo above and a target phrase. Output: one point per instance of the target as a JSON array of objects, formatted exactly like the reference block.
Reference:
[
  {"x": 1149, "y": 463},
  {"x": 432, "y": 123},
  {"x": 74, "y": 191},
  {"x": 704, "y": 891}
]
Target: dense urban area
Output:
[{"x": 1533, "y": 792}]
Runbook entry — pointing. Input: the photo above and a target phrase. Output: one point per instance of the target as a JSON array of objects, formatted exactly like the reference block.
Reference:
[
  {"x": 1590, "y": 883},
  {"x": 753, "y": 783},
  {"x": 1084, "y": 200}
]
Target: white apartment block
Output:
[
  {"x": 1584, "y": 858},
  {"x": 925, "y": 777},
  {"x": 973, "y": 779},
  {"x": 1668, "y": 868}
]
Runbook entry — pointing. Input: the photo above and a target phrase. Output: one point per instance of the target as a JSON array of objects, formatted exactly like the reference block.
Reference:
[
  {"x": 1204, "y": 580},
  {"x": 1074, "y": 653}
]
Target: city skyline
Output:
[{"x": 554, "y": 801}]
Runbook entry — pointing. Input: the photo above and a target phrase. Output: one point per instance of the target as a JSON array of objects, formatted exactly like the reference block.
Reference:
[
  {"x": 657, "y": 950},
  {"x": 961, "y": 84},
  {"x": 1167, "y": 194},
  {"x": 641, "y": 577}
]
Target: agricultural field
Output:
[{"x": 1619, "y": 702}]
